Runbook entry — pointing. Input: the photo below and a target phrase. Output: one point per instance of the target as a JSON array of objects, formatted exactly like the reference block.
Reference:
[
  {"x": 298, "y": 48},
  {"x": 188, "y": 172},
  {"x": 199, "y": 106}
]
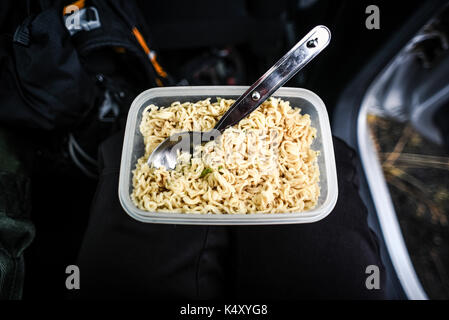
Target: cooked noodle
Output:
[{"x": 264, "y": 164}]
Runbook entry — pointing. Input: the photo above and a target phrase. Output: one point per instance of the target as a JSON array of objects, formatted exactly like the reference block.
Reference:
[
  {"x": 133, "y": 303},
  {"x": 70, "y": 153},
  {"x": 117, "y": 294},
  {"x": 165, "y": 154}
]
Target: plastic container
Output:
[{"x": 133, "y": 148}]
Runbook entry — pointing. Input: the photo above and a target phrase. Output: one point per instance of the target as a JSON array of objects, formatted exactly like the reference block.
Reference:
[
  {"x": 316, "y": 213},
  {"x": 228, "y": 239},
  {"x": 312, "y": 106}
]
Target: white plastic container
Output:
[{"x": 133, "y": 149}]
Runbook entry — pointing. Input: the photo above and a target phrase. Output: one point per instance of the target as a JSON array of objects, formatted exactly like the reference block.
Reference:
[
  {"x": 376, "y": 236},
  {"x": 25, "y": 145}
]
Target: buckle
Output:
[{"x": 84, "y": 19}]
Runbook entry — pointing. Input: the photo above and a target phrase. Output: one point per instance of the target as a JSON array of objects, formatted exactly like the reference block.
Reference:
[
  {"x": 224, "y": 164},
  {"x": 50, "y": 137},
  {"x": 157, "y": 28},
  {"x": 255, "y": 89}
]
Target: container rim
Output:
[{"x": 309, "y": 216}]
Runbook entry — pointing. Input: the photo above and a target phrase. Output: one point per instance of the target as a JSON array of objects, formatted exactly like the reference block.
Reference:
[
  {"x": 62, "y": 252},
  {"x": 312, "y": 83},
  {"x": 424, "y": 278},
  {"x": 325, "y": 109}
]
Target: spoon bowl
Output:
[{"x": 167, "y": 152}]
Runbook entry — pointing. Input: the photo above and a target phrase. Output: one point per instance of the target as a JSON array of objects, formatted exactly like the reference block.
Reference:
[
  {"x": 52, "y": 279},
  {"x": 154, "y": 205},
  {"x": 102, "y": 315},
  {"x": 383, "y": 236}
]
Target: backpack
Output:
[
  {"x": 77, "y": 67},
  {"x": 61, "y": 62}
]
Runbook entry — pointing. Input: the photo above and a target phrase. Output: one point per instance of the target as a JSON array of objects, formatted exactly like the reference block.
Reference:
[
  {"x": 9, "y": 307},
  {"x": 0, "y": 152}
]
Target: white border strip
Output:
[{"x": 385, "y": 210}]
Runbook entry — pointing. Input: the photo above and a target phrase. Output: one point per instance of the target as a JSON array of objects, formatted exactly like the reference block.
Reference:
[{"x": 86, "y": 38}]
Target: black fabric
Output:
[
  {"x": 132, "y": 68},
  {"x": 123, "y": 258},
  {"x": 16, "y": 228},
  {"x": 43, "y": 85},
  {"x": 49, "y": 79}
]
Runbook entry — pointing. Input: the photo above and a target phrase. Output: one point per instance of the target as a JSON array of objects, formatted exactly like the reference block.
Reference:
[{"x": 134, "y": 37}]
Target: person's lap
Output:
[{"x": 121, "y": 257}]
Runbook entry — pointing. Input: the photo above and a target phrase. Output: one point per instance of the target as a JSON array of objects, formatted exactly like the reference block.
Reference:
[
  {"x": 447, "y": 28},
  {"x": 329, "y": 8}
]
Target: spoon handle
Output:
[{"x": 301, "y": 54}]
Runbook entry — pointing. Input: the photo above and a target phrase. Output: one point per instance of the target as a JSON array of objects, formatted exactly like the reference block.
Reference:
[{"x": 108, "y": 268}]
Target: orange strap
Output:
[
  {"x": 159, "y": 82},
  {"x": 149, "y": 53},
  {"x": 79, "y": 3}
]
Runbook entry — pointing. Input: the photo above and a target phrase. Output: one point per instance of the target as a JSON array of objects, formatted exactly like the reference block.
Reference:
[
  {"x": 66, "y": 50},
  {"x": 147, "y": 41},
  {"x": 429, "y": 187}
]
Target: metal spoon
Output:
[{"x": 302, "y": 53}]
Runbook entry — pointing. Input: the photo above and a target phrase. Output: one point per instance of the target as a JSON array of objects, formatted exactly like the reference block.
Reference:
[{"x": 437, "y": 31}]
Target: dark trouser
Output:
[
  {"x": 16, "y": 228},
  {"x": 121, "y": 257}
]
